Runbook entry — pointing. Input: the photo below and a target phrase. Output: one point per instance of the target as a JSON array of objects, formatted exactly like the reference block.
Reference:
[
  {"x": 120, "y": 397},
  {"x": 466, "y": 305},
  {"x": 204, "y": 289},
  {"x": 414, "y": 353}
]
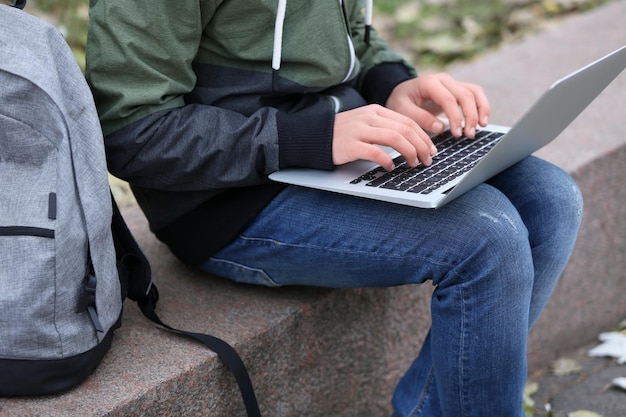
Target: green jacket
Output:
[{"x": 201, "y": 99}]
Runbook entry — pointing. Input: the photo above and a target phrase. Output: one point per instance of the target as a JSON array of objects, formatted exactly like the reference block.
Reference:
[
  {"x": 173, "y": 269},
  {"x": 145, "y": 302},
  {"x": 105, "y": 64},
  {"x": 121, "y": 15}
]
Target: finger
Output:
[
  {"x": 414, "y": 151},
  {"x": 404, "y": 135},
  {"x": 442, "y": 91},
  {"x": 424, "y": 116},
  {"x": 374, "y": 154},
  {"x": 474, "y": 106},
  {"x": 465, "y": 94},
  {"x": 413, "y": 131},
  {"x": 484, "y": 109},
  {"x": 478, "y": 111}
]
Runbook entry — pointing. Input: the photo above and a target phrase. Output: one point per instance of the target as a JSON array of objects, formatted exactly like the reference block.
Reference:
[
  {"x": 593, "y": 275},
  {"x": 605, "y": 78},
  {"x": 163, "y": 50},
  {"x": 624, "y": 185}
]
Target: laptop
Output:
[{"x": 461, "y": 163}]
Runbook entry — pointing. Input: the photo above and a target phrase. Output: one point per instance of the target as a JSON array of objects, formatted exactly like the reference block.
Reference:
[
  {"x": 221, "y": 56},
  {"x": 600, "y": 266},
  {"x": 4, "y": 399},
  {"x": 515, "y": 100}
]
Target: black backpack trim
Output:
[{"x": 51, "y": 376}]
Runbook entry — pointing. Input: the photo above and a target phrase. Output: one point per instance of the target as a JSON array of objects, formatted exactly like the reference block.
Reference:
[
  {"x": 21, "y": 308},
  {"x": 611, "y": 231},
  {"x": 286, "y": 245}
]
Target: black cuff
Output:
[
  {"x": 380, "y": 81},
  {"x": 305, "y": 139}
]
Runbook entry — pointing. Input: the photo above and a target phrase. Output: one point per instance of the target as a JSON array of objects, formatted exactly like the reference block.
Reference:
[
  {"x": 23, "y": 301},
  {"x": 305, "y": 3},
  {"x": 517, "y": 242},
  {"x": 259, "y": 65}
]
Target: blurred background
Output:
[{"x": 430, "y": 33}]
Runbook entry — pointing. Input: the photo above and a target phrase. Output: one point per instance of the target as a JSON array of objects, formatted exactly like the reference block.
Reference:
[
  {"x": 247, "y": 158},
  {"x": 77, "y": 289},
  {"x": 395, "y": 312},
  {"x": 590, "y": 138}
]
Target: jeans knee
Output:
[
  {"x": 497, "y": 247},
  {"x": 547, "y": 193},
  {"x": 496, "y": 223},
  {"x": 502, "y": 237},
  {"x": 555, "y": 210},
  {"x": 562, "y": 195}
]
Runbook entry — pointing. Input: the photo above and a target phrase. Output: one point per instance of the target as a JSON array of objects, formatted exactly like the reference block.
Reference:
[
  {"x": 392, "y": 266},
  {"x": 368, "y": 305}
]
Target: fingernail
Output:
[
  {"x": 485, "y": 120},
  {"x": 470, "y": 132},
  {"x": 437, "y": 127},
  {"x": 458, "y": 131},
  {"x": 433, "y": 150}
]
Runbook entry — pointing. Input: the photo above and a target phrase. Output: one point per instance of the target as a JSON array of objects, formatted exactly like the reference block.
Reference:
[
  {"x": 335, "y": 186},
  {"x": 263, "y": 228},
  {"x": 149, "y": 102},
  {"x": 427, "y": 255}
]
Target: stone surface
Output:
[{"x": 588, "y": 388}]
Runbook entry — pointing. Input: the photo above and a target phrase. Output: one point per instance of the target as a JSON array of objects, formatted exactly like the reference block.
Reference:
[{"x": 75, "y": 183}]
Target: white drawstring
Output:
[
  {"x": 278, "y": 34},
  {"x": 278, "y": 37},
  {"x": 352, "y": 59}
]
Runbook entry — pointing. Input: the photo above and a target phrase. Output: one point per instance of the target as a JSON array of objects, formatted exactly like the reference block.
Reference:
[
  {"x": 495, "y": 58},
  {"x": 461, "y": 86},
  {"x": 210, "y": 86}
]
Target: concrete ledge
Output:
[{"x": 313, "y": 352}]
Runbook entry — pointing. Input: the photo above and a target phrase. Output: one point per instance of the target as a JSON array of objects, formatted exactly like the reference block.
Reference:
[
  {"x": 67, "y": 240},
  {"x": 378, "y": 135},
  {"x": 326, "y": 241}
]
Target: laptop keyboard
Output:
[{"x": 455, "y": 157}]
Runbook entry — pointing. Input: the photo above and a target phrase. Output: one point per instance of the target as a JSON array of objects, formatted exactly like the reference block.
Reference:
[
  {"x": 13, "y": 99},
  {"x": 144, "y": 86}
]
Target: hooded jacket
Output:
[{"x": 200, "y": 100}]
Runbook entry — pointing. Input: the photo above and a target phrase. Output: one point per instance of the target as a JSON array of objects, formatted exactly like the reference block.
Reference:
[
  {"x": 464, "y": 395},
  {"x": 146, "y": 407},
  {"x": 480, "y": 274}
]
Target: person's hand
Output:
[
  {"x": 425, "y": 97},
  {"x": 357, "y": 131}
]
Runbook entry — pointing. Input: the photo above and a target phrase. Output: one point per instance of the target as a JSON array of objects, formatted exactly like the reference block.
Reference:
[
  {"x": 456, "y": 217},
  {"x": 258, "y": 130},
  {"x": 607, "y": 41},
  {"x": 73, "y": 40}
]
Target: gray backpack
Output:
[
  {"x": 67, "y": 259},
  {"x": 59, "y": 288}
]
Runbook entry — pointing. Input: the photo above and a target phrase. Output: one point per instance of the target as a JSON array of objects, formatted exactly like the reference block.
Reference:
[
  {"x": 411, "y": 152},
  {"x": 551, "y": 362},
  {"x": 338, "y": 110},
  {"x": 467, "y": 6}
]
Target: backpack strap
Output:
[{"x": 137, "y": 285}]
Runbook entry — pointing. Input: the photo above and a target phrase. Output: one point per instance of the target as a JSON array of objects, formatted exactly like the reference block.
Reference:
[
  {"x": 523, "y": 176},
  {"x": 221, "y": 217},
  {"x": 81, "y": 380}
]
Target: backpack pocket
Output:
[
  {"x": 26, "y": 293},
  {"x": 28, "y": 174}
]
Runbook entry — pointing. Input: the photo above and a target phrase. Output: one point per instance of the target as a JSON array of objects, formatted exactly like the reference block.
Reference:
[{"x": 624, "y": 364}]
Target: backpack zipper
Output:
[{"x": 26, "y": 231}]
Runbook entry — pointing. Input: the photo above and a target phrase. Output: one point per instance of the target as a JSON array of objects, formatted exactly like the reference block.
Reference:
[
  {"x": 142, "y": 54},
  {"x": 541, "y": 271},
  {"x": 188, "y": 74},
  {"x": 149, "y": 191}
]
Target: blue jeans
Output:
[{"x": 494, "y": 256}]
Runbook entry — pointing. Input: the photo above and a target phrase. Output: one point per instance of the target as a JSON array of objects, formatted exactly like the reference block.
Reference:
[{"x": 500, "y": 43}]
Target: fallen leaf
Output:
[
  {"x": 529, "y": 403},
  {"x": 613, "y": 345},
  {"x": 583, "y": 413},
  {"x": 548, "y": 408},
  {"x": 619, "y": 382},
  {"x": 531, "y": 388},
  {"x": 565, "y": 366}
]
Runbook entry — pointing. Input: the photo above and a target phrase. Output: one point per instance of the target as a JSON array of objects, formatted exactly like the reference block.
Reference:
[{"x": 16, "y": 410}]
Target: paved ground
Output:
[{"x": 586, "y": 386}]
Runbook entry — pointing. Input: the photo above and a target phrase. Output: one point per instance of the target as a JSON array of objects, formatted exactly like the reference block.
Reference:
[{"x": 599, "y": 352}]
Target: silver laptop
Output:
[{"x": 463, "y": 163}]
